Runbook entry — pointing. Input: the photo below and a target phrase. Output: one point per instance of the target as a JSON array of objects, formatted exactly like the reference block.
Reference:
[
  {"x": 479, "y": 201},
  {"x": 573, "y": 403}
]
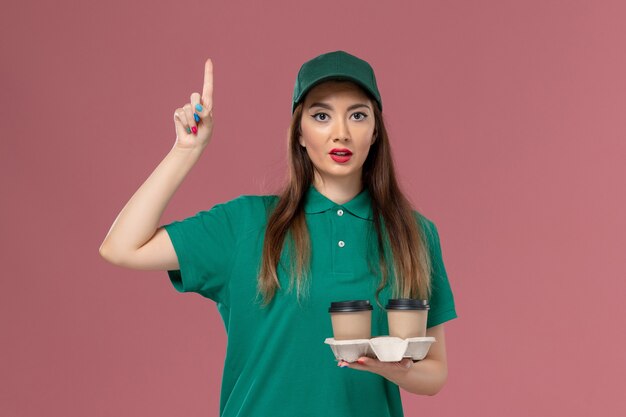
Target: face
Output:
[{"x": 337, "y": 116}]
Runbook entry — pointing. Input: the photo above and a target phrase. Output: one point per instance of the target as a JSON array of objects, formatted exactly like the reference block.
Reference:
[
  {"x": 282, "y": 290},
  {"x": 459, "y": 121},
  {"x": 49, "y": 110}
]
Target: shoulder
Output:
[
  {"x": 233, "y": 217},
  {"x": 250, "y": 205},
  {"x": 427, "y": 225},
  {"x": 244, "y": 212}
]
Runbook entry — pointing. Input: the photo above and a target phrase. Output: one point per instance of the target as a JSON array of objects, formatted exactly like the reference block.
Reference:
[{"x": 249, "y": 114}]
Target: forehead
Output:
[{"x": 336, "y": 89}]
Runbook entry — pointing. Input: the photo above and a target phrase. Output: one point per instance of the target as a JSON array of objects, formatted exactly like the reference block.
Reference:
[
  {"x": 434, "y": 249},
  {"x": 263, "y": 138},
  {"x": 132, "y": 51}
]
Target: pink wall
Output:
[{"x": 507, "y": 120}]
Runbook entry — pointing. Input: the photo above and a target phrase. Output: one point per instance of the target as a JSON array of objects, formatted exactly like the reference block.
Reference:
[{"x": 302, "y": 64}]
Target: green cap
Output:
[{"x": 338, "y": 65}]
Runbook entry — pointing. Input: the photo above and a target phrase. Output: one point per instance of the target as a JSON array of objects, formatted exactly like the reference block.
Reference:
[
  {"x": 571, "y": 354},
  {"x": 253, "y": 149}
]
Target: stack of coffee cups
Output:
[{"x": 353, "y": 319}]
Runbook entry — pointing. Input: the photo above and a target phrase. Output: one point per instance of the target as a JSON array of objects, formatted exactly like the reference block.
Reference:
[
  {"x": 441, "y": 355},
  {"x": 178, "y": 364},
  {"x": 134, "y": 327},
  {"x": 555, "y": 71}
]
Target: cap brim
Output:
[{"x": 338, "y": 77}]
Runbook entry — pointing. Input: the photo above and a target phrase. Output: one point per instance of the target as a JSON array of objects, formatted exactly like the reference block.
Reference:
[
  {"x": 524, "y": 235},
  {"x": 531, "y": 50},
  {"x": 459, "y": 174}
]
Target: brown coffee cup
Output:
[
  {"x": 351, "y": 319},
  {"x": 407, "y": 317}
]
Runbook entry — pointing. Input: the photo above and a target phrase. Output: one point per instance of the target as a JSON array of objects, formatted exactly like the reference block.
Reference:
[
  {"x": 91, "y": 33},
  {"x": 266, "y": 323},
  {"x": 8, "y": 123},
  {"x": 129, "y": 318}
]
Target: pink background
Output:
[{"x": 508, "y": 125}]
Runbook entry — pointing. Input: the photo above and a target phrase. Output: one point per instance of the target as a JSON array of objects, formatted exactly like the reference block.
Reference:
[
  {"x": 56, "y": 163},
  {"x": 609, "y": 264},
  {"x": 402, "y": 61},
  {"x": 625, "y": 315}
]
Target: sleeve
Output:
[
  {"x": 442, "y": 307},
  {"x": 205, "y": 246}
]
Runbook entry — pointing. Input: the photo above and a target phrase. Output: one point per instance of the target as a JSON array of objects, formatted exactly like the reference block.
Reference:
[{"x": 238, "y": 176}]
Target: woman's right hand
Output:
[{"x": 185, "y": 122}]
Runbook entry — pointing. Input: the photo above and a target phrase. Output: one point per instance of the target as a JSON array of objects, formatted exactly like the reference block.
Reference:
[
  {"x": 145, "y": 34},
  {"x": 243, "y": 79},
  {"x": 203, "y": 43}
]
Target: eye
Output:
[
  {"x": 323, "y": 116},
  {"x": 360, "y": 114}
]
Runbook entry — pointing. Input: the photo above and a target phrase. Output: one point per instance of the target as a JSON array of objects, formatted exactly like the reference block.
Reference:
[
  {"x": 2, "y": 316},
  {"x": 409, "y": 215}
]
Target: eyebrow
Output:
[{"x": 326, "y": 106}]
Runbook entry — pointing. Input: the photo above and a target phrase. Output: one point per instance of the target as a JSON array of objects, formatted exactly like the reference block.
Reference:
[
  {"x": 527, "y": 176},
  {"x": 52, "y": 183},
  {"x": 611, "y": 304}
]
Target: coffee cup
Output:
[
  {"x": 351, "y": 319},
  {"x": 407, "y": 317}
]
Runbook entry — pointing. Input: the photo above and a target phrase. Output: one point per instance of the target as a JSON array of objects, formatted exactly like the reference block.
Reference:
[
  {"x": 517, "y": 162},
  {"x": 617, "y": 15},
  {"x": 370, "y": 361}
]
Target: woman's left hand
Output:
[
  {"x": 389, "y": 370},
  {"x": 424, "y": 377}
]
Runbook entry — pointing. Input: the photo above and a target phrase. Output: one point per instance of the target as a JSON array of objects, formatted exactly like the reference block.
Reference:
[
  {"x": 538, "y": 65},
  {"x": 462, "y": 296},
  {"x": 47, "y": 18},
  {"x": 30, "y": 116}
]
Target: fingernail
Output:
[
  {"x": 198, "y": 107},
  {"x": 188, "y": 130},
  {"x": 196, "y": 118},
  {"x": 195, "y": 130},
  {"x": 361, "y": 361}
]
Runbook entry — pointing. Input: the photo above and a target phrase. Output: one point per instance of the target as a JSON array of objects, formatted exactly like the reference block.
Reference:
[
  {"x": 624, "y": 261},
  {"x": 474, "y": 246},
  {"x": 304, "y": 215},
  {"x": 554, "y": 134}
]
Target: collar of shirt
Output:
[{"x": 360, "y": 205}]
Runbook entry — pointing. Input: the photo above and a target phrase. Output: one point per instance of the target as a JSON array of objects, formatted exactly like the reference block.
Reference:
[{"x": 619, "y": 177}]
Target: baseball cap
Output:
[{"x": 337, "y": 65}]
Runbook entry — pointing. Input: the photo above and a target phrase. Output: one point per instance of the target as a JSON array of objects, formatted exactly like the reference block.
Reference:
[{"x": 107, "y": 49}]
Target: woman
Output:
[{"x": 339, "y": 230}]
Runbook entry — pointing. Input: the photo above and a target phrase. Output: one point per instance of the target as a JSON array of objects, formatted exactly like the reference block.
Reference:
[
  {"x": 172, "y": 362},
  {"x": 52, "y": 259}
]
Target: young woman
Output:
[{"x": 340, "y": 229}]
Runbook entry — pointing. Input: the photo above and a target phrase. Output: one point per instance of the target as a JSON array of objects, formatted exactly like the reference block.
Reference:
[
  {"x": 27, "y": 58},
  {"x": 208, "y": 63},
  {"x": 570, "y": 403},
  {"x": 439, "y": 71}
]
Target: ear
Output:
[{"x": 301, "y": 141}]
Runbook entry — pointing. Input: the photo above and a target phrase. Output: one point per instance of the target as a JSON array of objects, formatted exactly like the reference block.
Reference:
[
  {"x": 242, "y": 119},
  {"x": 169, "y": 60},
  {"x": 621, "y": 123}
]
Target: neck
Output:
[{"x": 339, "y": 191}]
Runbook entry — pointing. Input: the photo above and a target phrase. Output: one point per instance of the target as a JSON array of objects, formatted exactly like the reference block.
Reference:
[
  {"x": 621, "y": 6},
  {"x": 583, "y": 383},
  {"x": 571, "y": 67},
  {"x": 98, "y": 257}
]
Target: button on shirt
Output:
[
  {"x": 219, "y": 251},
  {"x": 340, "y": 233}
]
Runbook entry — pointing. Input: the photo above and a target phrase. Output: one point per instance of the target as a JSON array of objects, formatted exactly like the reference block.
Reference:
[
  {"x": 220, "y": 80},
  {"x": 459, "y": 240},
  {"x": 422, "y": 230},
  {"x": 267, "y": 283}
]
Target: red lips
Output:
[
  {"x": 342, "y": 150},
  {"x": 340, "y": 156}
]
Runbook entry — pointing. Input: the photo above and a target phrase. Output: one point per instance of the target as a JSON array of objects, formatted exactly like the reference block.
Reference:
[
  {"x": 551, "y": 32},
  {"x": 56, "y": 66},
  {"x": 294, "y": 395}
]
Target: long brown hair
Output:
[{"x": 395, "y": 223}]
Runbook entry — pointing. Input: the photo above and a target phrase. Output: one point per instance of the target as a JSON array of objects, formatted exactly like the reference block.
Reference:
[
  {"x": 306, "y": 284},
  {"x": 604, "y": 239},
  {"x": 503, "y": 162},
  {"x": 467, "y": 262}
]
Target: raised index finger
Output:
[{"x": 207, "y": 88}]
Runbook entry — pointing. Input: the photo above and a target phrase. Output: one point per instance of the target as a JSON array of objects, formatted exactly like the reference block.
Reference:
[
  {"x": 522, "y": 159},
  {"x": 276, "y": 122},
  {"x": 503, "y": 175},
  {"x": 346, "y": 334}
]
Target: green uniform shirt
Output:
[{"x": 276, "y": 361}]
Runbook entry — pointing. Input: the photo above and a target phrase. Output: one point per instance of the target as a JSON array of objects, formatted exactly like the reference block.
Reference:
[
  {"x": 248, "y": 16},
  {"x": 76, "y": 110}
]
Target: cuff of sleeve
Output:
[
  {"x": 441, "y": 317},
  {"x": 176, "y": 275},
  {"x": 176, "y": 279}
]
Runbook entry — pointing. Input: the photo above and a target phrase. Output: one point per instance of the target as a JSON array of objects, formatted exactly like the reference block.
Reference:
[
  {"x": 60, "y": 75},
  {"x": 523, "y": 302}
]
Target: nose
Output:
[{"x": 341, "y": 131}]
